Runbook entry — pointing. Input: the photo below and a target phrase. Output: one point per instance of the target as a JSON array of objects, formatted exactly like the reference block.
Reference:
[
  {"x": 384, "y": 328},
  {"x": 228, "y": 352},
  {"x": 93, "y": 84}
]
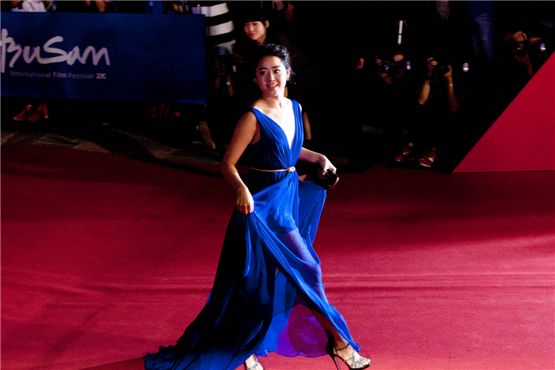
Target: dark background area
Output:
[{"x": 332, "y": 34}]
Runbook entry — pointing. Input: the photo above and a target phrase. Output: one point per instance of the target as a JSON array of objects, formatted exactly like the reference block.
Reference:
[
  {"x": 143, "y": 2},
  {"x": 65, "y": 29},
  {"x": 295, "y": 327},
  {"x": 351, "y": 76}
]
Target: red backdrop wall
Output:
[{"x": 523, "y": 137}]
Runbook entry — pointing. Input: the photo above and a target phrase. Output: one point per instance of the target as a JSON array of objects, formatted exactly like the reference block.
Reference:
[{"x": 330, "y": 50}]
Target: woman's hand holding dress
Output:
[{"x": 244, "y": 202}]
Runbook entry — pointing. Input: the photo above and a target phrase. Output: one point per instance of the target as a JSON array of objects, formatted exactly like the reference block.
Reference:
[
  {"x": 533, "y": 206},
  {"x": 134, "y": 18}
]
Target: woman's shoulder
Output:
[
  {"x": 263, "y": 107},
  {"x": 247, "y": 124},
  {"x": 248, "y": 118},
  {"x": 258, "y": 105},
  {"x": 295, "y": 103}
]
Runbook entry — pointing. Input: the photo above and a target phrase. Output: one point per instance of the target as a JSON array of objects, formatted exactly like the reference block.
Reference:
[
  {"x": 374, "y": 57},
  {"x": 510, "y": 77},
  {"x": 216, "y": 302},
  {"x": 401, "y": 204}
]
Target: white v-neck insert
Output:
[{"x": 287, "y": 127}]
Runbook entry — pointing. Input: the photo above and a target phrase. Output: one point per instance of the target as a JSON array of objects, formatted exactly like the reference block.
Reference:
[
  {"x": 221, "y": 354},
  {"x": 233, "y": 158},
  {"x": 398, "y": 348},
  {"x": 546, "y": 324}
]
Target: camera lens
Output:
[
  {"x": 519, "y": 49},
  {"x": 440, "y": 70}
]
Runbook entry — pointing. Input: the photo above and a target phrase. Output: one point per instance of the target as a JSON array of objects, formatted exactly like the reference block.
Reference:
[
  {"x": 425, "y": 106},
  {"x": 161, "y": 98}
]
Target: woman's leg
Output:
[
  {"x": 313, "y": 275},
  {"x": 295, "y": 243}
]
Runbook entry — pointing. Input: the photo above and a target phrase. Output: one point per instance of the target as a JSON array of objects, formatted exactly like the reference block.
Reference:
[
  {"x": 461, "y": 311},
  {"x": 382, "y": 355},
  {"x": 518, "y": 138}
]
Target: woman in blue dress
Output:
[{"x": 268, "y": 294}]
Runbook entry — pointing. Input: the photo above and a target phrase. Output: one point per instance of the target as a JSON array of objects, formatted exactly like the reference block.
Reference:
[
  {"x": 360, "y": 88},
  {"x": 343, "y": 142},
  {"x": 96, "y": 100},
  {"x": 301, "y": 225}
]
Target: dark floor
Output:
[{"x": 160, "y": 144}]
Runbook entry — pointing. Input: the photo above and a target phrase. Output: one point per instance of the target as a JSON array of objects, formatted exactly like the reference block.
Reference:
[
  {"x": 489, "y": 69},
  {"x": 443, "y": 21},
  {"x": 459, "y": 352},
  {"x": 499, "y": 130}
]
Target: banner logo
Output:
[
  {"x": 116, "y": 56},
  {"x": 48, "y": 54}
]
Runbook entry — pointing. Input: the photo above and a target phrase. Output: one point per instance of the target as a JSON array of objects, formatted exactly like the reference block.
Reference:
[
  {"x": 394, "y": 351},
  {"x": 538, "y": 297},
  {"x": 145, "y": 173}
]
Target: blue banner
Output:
[{"x": 134, "y": 57}]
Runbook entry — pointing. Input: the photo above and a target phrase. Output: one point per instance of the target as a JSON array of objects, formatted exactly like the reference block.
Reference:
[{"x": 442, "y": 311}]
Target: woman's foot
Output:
[
  {"x": 252, "y": 363},
  {"x": 338, "y": 348},
  {"x": 351, "y": 358}
]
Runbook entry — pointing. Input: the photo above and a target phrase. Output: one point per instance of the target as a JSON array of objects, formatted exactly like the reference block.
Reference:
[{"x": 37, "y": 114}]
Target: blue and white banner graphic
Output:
[{"x": 134, "y": 57}]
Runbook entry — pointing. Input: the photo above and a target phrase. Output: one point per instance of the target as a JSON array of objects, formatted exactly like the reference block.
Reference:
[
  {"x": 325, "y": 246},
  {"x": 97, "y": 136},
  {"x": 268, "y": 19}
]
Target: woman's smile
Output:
[{"x": 271, "y": 75}]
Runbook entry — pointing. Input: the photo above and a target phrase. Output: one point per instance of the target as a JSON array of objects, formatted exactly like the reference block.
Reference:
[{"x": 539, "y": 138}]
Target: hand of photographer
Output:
[
  {"x": 431, "y": 65},
  {"x": 386, "y": 77},
  {"x": 520, "y": 36}
]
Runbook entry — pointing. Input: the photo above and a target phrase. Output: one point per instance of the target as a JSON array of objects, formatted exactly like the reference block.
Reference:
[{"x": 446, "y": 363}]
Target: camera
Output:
[
  {"x": 384, "y": 66},
  {"x": 401, "y": 65},
  {"x": 518, "y": 49},
  {"x": 440, "y": 70}
]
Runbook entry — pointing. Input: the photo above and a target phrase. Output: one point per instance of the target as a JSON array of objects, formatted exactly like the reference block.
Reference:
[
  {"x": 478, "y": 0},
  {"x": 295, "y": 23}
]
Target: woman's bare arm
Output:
[
  {"x": 244, "y": 133},
  {"x": 315, "y": 157}
]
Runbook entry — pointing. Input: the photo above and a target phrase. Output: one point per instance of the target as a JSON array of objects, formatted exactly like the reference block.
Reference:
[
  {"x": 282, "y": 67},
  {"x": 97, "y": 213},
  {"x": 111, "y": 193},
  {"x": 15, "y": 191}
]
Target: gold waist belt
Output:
[{"x": 288, "y": 169}]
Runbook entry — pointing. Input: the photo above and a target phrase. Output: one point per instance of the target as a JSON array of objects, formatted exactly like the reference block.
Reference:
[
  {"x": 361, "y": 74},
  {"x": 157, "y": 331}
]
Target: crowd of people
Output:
[{"x": 408, "y": 84}]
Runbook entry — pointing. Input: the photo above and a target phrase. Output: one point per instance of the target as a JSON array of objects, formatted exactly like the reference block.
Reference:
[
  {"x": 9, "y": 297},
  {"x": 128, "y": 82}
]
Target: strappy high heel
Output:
[
  {"x": 355, "y": 362},
  {"x": 255, "y": 366}
]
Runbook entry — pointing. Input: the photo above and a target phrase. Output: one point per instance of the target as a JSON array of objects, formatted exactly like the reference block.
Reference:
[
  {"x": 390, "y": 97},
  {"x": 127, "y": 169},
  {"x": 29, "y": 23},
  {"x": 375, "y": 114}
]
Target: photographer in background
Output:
[
  {"x": 381, "y": 119},
  {"x": 525, "y": 43},
  {"x": 438, "y": 106},
  {"x": 397, "y": 75},
  {"x": 519, "y": 45},
  {"x": 523, "y": 56}
]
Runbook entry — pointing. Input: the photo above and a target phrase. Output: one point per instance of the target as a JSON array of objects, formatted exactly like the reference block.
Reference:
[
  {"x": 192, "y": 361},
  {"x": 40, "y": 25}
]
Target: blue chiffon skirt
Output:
[
  {"x": 267, "y": 285},
  {"x": 269, "y": 282}
]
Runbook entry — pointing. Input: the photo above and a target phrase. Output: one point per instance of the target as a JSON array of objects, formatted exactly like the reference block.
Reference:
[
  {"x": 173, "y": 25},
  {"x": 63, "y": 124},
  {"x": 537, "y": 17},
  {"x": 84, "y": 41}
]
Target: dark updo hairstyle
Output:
[
  {"x": 271, "y": 50},
  {"x": 254, "y": 14}
]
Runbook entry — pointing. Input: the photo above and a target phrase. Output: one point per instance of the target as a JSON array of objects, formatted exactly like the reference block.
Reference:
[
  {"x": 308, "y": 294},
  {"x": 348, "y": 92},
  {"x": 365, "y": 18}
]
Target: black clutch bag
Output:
[
  {"x": 327, "y": 181},
  {"x": 313, "y": 172}
]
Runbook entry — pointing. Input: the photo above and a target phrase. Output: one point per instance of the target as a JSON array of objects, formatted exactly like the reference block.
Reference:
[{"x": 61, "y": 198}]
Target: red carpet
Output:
[{"x": 105, "y": 258}]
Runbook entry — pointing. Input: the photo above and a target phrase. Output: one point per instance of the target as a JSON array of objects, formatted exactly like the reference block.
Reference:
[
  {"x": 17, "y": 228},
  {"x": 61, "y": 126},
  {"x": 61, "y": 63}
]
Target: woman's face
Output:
[
  {"x": 271, "y": 76},
  {"x": 255, "y": 30}
]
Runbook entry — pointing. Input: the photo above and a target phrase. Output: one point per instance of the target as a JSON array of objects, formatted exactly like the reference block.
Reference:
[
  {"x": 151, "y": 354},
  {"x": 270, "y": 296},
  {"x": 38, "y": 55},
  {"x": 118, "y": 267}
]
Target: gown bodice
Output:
[{"x": 272, "y": 151}]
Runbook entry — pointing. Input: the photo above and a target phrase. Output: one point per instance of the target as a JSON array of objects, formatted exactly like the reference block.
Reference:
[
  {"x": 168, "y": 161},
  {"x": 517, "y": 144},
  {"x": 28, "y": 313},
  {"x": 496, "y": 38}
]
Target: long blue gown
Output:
[{"x": 268, "y": 279}]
